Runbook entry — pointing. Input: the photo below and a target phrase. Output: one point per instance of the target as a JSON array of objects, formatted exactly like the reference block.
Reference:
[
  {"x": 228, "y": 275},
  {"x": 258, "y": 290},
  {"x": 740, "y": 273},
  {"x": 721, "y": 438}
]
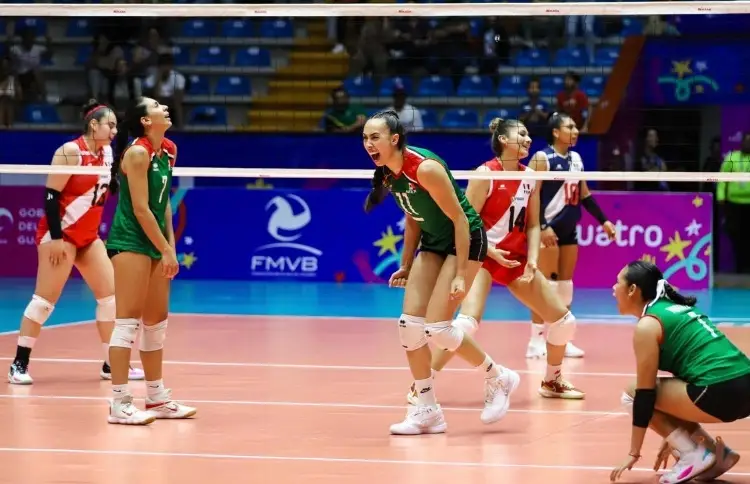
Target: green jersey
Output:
[
  {"x": 415, "y": 201},
  {"x": 126, "y": 233},
  {"x": 693, "y": 349}
]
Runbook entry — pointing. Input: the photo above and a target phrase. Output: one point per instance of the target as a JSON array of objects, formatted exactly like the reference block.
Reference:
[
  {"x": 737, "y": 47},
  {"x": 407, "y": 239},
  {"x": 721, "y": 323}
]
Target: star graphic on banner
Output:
[
  {"x": 188, "y": 259},
  {"x": 694, "y": 228},
  {"x": 681, "y": 68},
  {"x": 676, "y": 247},
  {"x": 701, "y": 65},
  {"x": 698, "y": 201},
  {"x": 648, "y": 258},
  {"x": 402, "y": 224},
  {"x": 699, "y": 89},
  {"x": 388, "y": 241},
  {"x": 188, "y": 240},
  {"x": 707, "y": 252}
]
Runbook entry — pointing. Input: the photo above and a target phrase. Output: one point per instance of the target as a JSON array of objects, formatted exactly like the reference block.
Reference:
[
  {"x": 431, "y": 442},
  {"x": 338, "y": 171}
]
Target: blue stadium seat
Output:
[
  {"x": 631, "y": 26},
  {"x": 460, "y": 119},
  {"x": 253, "y": 57},
  {"x": 233, "y": 86},
  {"x": 181, "y": 55},
  {"x": 236, "y": 28},
  {"x": 476, "y": 86},
  {"x": 499, "y": 113},
  {"x": 512, "y": 86},
  {"x": 40, "y": 114},
  {"x": 606, "y": 56},
  {"x": 78, "y": 28},
  {"x": 359, "y": 86},
  {"x": 199, "y": 85},
  {"x": 38, "y": 25},
  {"x": 435, "y": 86},
  {"x": 199, "y": 28},
  {"x": 212, "y": 56},
  {"x": 83, "y": 54},
  {"x": 429, "y": 118},
  {"x": 570, "y": 57},
  {"x": 208, "y": 116},
  {"x": 593, "y": 86},
  {"x": 390, "y": 83},
  {"x": 532, "y": 58},
  {"x": 551, "y": 85},
  {"x": 276, "y": 28}
]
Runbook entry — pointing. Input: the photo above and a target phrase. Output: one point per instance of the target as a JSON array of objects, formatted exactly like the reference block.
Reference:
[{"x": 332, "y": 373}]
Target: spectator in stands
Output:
[
  {"x": 342, "y": 117},
  {"x": 146, "y": 53},
  {"x": 656, "y": 25},
  {"x": 410, "y": 117},
  {"x": 534, "y": 111},
  {"x": 409, "y": 44},
  {"x": 123, "y": 89},
  {"x": 453, "y": 47},
  {"x": 647, "y": 159},
  {"x": 27, "y": 60},
  {"x": 572, "y": 101},
  {"x": 167, "y": 86},
  {"x": 734, "y": 198},
  {"x": 495, "y": 46},
  {"x": 571, "y": 31},
  {"x": 101, "y": 65},
  {"x": 371, "y": 54},
  {"x": 10, "y": 93}
]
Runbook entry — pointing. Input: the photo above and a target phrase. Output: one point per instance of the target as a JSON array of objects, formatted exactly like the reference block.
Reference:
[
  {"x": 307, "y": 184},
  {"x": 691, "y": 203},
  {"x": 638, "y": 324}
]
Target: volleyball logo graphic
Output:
[{"x": 686, "y": 83}]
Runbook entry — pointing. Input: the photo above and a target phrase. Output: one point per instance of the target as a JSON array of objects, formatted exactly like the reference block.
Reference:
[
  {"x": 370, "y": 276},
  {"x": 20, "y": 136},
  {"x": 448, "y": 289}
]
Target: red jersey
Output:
[
  {"x": 574, "y": 104},
  {"x": 82, "y": 200},
  {"x": 505, "y": 211}
]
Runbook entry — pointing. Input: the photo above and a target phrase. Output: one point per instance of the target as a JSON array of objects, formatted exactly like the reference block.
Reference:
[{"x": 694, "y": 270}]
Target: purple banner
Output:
[
  {"x": 673, "y": 230},
  {"x": 735, "y": 121},
  {"x": 21, "y": 207}
]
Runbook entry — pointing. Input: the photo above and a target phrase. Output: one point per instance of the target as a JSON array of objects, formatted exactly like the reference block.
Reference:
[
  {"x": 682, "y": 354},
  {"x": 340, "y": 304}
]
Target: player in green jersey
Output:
[
  {"x": 710, "y": 382},
  {"x": 142, "y": 248},
  {"x": 452, "y": 246}
]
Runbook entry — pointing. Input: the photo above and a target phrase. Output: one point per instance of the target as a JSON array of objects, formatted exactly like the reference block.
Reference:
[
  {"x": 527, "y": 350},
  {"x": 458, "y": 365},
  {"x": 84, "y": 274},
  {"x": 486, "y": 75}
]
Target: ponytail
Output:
[
  {"x": 121, "y": 143},
  {"x": 680, "y": 299},
  {"x": 379, "y": 190}
]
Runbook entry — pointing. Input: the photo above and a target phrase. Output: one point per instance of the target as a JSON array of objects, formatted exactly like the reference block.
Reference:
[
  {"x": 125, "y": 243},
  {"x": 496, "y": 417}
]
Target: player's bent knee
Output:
[
  {"x": 467, "y": 324},
  {"x": 153, "y": 337},
  {"x": 562, "y": 331},
  {"x": 411, "y": 332},
  {"x": 627, "y": 402},
  {"x": 445, "y": 335},
  {"x": 105, "y": 309},
  {"x": 125, "y": 332},
  {"x": 38, "y": 310},
  {"x": 565, "y": 291}
]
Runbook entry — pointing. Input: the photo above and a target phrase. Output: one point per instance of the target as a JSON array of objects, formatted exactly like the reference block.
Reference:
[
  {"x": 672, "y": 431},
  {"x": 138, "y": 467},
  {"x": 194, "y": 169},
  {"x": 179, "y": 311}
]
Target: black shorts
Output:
[
  {"x": 569, "y": 237},
  {"x": 728, "y": 401},
  {"x": 477, "y": 247},
  {"x": 113, "y": 252}
]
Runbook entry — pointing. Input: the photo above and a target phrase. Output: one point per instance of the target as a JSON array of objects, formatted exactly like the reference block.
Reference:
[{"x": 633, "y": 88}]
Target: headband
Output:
[{"x": 93, "y": 110}]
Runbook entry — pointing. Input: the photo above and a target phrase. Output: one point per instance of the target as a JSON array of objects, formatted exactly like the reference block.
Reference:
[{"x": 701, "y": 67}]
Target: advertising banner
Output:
[{"x": 324, "y": 235}]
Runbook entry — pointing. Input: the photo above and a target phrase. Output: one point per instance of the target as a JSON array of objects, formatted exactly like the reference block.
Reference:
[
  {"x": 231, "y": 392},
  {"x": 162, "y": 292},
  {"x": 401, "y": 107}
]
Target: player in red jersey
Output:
[
  {"x": 68, "y": 235},
  {"x": 510, "y": 212}
]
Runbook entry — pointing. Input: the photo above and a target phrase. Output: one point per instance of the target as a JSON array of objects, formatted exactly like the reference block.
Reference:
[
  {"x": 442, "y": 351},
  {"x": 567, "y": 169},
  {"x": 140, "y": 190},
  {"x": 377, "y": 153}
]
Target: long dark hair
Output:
[
  {"x": 646, "y": 276},
  {"x": 93, "y": 109},
  {"x": 501, "y": 127},
  {"x": 379, "y": 190},
  {"x": 129, "y": 125}
]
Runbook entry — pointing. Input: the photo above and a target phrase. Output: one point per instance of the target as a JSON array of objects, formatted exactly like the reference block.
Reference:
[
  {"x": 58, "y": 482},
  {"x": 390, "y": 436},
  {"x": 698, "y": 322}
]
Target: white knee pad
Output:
[
  {"x": 467, "y": 324},
  {"x": 105, "y": 309},
  {"x": 39, "y": 310},
  {"x": 411, "y": 332},
  {"x": 562, "y": 331},
  {"x": 627, "y": 402},
  {"x": 445, "y": 335},
  {"x": 125, "y": 332},
  {"x": 152, "y": 338},
  {"x": 565, "y": 291}
]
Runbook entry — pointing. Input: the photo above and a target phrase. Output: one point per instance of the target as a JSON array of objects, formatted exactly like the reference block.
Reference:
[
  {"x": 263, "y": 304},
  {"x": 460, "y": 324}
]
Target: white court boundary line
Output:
[
  {"x": 367, "y": 406},
  {"x": 330, "y": 460}
]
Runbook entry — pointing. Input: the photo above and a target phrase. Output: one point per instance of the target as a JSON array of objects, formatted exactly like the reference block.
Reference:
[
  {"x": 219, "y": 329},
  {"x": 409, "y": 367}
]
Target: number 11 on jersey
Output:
[{"x": 406, "y": 206}]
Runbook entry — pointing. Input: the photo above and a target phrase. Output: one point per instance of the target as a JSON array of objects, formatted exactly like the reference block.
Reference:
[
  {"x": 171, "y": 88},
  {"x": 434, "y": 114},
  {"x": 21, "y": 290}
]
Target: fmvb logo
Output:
[
  {"x": 286, "y": 257},
  {"x": 686, "y": 83}
]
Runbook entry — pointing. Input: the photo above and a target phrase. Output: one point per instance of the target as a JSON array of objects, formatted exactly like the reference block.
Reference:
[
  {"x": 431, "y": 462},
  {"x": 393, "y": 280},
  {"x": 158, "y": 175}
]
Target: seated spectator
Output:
[
  {"x": 101, "y": 65},
  {"x": 167, "y": 86},
  {"x": 572, "y": 101},
  {"x": 495, "y": 47},
  {"x": 409, "y": 44},
  {"x": 371, "y": 54},
  {"x": 342, "y": 117},
  {"x": 124, "y": 88},
  {"x": 26, "y": 60},
  {"x": 146, "y": 53},
  {"x": 410, "y": 116},
  {"x": 534, "y": 111},
  {"x": 10, "y": 93}
]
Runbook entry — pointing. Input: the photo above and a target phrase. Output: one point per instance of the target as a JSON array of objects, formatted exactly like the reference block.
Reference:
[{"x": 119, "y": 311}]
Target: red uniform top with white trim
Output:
[
  {"x": 82, "y": 200},
  {"x": 505, "y": 211}
]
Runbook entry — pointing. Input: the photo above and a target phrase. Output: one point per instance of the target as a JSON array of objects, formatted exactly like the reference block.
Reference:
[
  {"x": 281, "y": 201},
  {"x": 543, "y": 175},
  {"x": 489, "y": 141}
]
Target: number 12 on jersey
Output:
[{"x": 406, "y": 206}]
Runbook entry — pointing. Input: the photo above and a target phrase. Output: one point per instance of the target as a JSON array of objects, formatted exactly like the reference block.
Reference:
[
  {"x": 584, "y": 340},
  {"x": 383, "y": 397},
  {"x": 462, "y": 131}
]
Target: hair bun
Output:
[
  {"x": 495, "y": 123},
  {"x": 88, "y": 106}
]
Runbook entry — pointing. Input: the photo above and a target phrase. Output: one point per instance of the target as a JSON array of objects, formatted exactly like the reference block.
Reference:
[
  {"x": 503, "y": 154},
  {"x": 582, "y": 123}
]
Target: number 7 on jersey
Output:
[{"x": 164, "y": 180}]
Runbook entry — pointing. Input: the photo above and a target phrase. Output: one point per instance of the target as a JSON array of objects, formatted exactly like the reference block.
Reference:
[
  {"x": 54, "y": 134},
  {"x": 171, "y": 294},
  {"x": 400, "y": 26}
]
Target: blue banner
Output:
[
  {"x": 695, "y": 72},
  {"x": 238, "y": 150}
]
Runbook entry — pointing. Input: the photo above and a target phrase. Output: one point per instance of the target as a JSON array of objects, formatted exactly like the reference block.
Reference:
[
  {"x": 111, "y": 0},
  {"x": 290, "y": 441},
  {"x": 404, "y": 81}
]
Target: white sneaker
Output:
[
  {"x": 689, "y": 466},
  {"x": 537, "y": 348},
  {"x": 18, "y": 374},
  {"x": 134, "y": 374},
  {"x": 497, "y": 395},
  {"x": 421, "y": 419},
  {"x": 168, "y": 408},
  {"x": 572, "y": 351},
  {"x": 123, "y": 411}
]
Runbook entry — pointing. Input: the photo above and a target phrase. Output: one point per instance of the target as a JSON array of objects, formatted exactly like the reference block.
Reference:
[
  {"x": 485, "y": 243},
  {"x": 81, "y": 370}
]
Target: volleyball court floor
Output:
[{"x": 298, "y": 383}]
